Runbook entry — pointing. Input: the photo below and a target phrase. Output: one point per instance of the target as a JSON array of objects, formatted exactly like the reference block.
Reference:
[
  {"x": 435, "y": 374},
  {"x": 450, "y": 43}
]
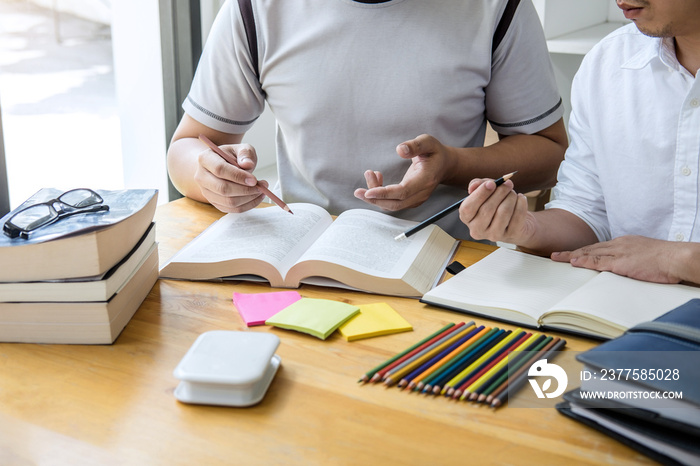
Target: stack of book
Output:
[
  {"x": 82, "y": 278},
  {"x": 643, "y": 388}
]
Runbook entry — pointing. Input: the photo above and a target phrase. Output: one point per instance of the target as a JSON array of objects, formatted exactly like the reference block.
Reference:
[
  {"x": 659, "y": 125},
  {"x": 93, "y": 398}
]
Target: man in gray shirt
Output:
[{"x": 379, "y": 104}]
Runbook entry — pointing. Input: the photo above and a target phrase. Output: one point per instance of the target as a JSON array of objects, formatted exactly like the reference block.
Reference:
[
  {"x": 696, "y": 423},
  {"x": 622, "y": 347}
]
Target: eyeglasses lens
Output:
[
  {"x": 34, "y": 216},
  {"x": 80, "y": 198}
]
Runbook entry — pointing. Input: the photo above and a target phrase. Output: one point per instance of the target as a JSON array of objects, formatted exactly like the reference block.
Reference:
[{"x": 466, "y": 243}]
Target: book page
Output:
[
  {"x": 508, "y": 280},
  {"x": 363, "y": 240},
  {"x": 269, "y": 234},
  {"x": 622, "y": 301}
]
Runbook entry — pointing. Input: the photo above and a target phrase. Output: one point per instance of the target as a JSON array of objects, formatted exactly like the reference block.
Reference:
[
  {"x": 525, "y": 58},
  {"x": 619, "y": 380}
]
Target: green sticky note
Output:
[
  {"x": 372, "y": 321},
  {"x": 317, "y": 317}
]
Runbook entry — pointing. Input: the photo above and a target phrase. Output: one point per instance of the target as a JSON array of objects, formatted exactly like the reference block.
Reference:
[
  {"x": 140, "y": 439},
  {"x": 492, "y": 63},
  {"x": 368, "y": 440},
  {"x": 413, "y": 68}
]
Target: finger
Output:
[
  {"x": 422, "y": 145},
  {"x": 373, "y": 178},
  {"x": 517, "y": 222},
  {"x": 502, "y": 216},
  {"x": 395, "y": 197},
  {"x": 247, "y": 157},
  {"x": 232, "y": 203},
  {"x": 484, "y": 200},
  {"x": 221, "y": 169},
  {"x": 475, "y": 183},
  {"x": 561, "y": 256}
]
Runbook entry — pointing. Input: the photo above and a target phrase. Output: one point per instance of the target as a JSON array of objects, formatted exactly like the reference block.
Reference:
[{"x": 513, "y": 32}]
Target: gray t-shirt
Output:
[{"x": 348, "y": 81}]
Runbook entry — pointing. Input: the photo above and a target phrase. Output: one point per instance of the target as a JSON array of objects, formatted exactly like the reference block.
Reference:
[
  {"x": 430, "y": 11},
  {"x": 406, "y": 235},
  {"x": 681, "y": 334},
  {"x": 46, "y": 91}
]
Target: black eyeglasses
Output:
[{"x": 75, "y": 201}]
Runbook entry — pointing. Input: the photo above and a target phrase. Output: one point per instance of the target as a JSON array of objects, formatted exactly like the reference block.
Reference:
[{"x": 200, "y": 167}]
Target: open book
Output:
[
  {"x": 357, "y": 250},
  {"x": 537, "y": 292}
]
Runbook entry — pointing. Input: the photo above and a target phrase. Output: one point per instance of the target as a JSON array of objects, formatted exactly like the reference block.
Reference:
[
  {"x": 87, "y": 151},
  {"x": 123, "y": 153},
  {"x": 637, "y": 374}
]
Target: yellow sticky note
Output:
[{"x": 372, "y": 321}]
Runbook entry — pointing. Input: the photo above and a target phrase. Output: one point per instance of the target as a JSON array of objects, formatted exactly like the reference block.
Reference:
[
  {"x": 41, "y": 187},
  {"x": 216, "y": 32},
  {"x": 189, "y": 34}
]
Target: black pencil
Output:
[{"x": 444, "y": 212}]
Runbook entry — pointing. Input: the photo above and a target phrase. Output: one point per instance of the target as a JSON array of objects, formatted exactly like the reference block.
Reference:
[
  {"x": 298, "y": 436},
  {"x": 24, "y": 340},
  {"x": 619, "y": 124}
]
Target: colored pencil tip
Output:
[
  {"x": 288, "y": 210},
  {"x": 400, "y": 237}
]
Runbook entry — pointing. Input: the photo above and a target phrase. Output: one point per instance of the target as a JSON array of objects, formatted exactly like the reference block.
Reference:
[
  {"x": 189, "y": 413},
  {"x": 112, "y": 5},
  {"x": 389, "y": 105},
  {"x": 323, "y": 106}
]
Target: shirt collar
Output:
[{"x": 663, "y": 49}]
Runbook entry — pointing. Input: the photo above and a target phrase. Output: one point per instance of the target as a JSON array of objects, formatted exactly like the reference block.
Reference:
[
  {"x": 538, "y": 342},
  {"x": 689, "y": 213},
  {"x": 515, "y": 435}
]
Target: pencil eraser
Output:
[{"x": 227, "y": 368}]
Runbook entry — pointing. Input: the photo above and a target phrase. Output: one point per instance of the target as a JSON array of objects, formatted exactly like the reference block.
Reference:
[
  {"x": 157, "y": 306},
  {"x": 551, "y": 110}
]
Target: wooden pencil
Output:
[
  {"x": 491, "y": 381},
  {"x": 262, "y": 188},
  {"x": 430, "y": 340},
  {"x": 396, "y": 376},
  {"x": 510, "y": 370},
  {"x": 368, "y": 375},
  {"x": 461, "y": 380},
  {"x": 439, "y": 378},
  {"x": 467, "y": 391},
  {"x": 515, "y": 385},
  {"x": 476, "y": 346},
  {"x": 445, "y": 212},
  {"x": 432, "y": 365},
  {"x": 520, "y": 364},
  {"x": 484, "y": 363},
  {"x": 418, "y": 354}
]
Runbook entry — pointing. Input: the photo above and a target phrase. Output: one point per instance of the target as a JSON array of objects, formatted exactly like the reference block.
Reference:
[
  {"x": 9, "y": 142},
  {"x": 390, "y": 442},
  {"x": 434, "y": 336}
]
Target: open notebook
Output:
[{"x": 535, "y": 291}]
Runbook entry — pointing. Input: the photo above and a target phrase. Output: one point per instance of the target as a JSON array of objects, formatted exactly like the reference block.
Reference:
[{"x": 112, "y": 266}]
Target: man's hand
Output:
[
  {"x": 429, "y": 163},
  {"x": 228, "y": 184},
  {"x": 496, "y": 213},
  {"x": 637, "y": 257}
]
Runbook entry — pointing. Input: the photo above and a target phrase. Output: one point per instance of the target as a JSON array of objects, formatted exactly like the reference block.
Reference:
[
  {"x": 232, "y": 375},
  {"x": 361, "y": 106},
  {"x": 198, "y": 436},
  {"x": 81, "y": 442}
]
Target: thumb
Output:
[
  {"x": 422, "y": 145},
  {"x": 247, "y": 157}
]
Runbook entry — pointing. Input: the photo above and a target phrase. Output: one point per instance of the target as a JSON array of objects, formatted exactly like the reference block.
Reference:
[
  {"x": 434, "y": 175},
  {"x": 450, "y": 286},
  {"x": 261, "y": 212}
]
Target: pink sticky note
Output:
[{"x": 256, "y": 308}]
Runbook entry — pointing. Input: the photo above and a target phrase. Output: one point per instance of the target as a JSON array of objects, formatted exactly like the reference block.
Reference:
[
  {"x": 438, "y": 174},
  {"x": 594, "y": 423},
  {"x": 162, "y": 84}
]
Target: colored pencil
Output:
[
  {"x": 434, "y": 363},
  {"x": 439, "y": 378},
  {"x": 512, "y": 368},
  {"x": 520, "y": 363},
  {"x": 430, "y": 340},
  {"x": 517, "y": 382},
  {"x": 485, "y": 362},
  {"x": 396, "y": 376},
  {"x": 492, "y": 380},
  {"x": 368, "y": 375},
  {"x": 463, "y": 378},
  {"x": 467, "y": 391},
  {"x": 418, "y": 354},
  {"x": 262, "y": 188},
  {"x": 444, "y": 212},
  {"x": 475, "y": 339}
]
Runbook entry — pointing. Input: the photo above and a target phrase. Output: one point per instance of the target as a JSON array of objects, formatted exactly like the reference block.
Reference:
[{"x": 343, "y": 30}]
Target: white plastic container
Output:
[{"x": 227, "y": 368}]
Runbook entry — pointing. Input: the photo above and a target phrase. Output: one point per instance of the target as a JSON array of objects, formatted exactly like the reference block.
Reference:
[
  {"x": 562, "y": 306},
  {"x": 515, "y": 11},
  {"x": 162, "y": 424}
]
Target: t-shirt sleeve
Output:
[
  {"x": 578, "y": 189},
  {"x": 225, "y": 93},
  {"x": 522, "y": 95}
]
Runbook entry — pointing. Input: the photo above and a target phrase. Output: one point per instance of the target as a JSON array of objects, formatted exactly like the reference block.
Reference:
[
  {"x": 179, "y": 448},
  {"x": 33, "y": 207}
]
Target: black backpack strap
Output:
[
  {"x": 504, "y": 24},
  {"x": 249, "y": 25}
]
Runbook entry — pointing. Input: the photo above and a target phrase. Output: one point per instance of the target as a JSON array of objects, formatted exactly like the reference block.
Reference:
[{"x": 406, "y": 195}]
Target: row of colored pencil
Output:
[{"x": 467, "y": 362}]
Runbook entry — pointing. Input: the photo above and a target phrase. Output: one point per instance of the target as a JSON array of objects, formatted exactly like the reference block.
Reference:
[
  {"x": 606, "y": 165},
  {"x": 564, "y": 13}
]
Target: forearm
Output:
[
  {"x": 536, "y": 157},
  {"x": 556, "y": 230},
  {"x": 182, "y": 164}
]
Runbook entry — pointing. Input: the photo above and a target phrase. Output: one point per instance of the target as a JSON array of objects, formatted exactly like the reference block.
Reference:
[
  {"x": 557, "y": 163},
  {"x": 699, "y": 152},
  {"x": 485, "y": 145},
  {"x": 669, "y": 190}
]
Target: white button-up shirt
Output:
[{"x": 634, "y": 159}]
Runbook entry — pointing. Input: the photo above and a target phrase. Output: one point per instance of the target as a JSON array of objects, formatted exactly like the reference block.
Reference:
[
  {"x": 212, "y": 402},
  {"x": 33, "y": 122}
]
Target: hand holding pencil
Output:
[
  {"x": 446, "y": 211},
  {"x": 260, "y": 187},
  {"x": 497, "y": 213}
]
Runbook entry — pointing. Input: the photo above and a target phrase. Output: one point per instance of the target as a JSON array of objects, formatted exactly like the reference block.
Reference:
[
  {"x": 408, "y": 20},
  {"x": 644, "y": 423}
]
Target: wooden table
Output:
[{"x": 71, "y": 404}]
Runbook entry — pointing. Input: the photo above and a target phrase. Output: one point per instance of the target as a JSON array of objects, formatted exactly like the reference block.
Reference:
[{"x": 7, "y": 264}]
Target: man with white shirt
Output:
[{"x": 628, "y": 192}]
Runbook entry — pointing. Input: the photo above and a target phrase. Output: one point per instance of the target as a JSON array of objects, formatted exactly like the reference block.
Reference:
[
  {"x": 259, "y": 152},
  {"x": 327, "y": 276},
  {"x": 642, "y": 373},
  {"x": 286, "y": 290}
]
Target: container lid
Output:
[{"x": 228, "y": 357}]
